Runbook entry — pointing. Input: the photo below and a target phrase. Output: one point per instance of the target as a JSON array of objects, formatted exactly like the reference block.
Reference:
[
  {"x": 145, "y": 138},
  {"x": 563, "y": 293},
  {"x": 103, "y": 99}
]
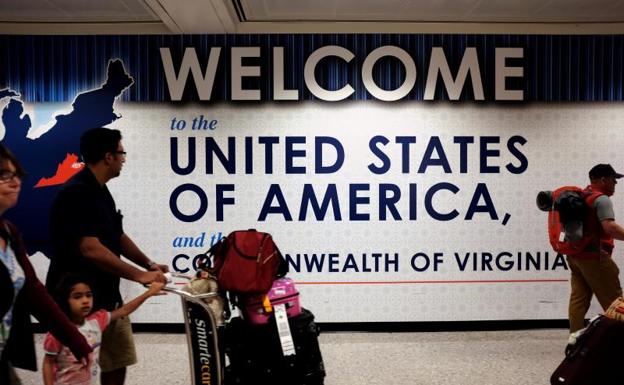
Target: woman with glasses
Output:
[{"x": 21, "y": 292}]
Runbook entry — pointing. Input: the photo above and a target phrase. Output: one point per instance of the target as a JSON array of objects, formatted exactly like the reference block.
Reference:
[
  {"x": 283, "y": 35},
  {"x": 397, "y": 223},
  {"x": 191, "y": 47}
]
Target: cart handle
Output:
[{"x": 182, "y": 293}]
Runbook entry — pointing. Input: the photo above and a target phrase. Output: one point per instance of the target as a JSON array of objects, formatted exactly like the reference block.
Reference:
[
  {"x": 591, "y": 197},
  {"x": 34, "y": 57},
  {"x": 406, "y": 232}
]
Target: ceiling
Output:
[{"x": 293, "y": 16}]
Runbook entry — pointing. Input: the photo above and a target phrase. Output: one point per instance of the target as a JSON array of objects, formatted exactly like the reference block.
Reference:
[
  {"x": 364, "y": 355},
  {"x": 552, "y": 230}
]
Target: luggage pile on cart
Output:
[{"x": 273, "y": 340}]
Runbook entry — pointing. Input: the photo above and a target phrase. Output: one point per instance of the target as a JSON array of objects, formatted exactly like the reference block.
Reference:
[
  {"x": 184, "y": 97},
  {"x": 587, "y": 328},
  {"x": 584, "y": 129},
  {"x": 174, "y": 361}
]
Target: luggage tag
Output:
[
  {"x": 283, "y": 329},
  {"x": 266, "y": 303}
]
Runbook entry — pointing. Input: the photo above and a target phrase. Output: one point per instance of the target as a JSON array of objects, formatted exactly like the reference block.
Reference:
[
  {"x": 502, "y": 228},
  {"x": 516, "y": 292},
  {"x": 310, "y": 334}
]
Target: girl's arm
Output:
[
  {"x": 48, "y": 370},
  {"x": 131, "y": 306}
]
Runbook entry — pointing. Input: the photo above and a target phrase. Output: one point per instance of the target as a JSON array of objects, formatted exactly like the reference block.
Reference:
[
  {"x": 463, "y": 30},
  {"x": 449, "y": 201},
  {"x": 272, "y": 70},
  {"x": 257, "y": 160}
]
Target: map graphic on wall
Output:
[{"x": 50, "y": 154}]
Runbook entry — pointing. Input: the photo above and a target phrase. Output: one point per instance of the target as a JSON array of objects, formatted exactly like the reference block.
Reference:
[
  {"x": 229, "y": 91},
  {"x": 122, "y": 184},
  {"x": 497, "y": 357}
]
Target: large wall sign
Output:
[{"x": 397, "y": 173}]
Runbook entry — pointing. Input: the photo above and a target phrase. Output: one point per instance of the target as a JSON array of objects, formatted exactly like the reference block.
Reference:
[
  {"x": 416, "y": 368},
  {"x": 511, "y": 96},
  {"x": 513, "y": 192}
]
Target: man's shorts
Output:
[{"x": 117, "y": 350}]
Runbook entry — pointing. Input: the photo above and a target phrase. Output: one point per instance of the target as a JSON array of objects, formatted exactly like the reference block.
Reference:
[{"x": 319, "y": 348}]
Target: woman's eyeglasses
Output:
[{"x": 8, "y": 175}]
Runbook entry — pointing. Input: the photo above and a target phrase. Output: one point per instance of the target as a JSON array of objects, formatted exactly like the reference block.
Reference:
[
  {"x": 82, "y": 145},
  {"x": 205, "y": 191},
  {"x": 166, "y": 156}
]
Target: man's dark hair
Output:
[
  {"x": 64, "y": 288},
  {"x": 7, "y": 156},
  {"x": 96, "y": 142}
]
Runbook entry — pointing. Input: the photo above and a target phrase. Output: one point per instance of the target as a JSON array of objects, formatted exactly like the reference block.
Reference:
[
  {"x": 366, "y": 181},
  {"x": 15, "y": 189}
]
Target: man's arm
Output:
[
  {"x": 613, "y": 229},
  {"x": 131, "y": 251},
  {"x": 99, "y": 254}
]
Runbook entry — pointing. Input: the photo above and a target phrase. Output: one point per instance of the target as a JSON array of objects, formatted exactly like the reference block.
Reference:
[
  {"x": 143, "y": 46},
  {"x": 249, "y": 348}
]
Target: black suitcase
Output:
[
  {"x": 255, "y": 353},
  {"x": 596, "y": 356}
]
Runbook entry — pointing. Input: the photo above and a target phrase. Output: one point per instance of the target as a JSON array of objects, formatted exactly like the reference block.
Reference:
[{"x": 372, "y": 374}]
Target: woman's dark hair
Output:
[
  {"x": 7, "y": 155},
  {"x": 96, "y": 142},
  {"x": 64, "y": 288}
]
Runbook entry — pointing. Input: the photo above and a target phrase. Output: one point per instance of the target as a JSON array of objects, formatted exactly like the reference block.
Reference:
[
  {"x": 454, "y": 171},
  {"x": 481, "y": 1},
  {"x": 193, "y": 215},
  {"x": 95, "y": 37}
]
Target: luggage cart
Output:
[{"x": 201, "y": 333}]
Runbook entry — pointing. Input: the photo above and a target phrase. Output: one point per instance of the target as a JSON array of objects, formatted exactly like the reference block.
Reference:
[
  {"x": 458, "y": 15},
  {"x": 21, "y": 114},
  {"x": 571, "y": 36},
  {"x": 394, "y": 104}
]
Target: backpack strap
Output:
[
  {"x": 591, "y": 196},
  {"x": 594, "y": 226},
  {"x": 207, "y": 261}
]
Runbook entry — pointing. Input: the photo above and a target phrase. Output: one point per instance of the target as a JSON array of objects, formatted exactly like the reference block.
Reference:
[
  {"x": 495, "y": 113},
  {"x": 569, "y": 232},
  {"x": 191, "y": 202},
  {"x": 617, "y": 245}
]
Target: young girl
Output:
[{"x": 74, "y": 296}]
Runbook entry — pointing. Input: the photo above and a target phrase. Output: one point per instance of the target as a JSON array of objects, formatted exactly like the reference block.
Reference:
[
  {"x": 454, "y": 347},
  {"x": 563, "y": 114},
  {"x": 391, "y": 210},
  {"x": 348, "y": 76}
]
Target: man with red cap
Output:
[{"x": 593, "y": 270}]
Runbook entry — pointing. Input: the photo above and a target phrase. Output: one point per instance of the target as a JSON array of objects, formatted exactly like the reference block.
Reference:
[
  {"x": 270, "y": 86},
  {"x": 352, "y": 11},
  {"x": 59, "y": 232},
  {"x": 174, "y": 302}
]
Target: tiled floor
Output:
[{"x": 461, "y": 358}]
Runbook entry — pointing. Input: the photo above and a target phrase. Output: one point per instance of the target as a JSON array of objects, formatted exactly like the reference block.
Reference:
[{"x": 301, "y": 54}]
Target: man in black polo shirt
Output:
[{"x": 88, "y": 238}]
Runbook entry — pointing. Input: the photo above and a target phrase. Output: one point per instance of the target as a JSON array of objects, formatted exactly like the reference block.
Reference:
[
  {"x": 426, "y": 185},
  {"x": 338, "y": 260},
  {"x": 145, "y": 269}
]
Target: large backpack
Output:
[
  {"x": 247, "y": 262},
  {"x": 567, "y": 208}
]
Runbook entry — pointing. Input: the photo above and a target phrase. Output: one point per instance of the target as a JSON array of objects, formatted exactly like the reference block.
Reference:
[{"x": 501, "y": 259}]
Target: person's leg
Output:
[
  {"x": 117, "y": 352},
  {"x": 115, "y": 377},
  {"x": 580, "y": 297},
  {"x": 603, "y": 278}
]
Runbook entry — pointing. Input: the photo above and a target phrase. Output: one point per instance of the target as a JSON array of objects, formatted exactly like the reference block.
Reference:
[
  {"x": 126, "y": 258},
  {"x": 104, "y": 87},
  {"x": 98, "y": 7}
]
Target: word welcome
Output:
[{"x": 177, "y": 77}]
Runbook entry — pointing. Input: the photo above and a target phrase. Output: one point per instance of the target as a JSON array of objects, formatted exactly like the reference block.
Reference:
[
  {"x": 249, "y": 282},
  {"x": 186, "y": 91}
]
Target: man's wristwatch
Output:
[{"x": 150, "y": 264}]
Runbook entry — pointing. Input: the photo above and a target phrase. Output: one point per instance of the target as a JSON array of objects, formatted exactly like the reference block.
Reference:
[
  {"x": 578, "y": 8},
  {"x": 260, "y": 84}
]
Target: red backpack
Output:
[
  {"x": 247, "y": 262},
  {"x": 568, "y": 230}
]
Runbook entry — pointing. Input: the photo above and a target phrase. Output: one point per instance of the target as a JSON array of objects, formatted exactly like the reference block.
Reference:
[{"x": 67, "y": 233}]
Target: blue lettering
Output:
[
  {"x": 389, "y": 202},
  {"x": 222, "y": 200},
  {"x": 175, "y": 161},
  {"x": 340, "y": 155},
  {"x": 429, "y": 201},
  {"x": 268, "y": 142},
  {"x": 249, "y": 155},
  {"x": 228, "y": 163},
  {"x": 175, "y": 260},
  {"x": 350, "y": 264},
  {"x": 275, "y": 192},
  {"x": 486, "y": 153},
  {"x": 189, "y": 241},
  {"x": 405, "y": 142},
  {"x": 291, "y": 153},
  {"x": 463, "y": 142},
  {"x": 333, "y": 262},
  {"x": 182, "y": 241},
  {"x": 413, "y": 194},
  {"x": 560, "y": 262},
  {"x": 462, "y": 263},
  {"x": 355, "y": 200},
  {"x": 203, "y": 202},
  {"x": 414, "y": 264},
  {"x": 314, "y": 261},
  {"x": 309, "y": 198},
  {"x": 524, "y": 162},
  {"x": 380, "y": 154},
  {"x": 488, "y": 207},
  {"x": 428, "y": 160}
]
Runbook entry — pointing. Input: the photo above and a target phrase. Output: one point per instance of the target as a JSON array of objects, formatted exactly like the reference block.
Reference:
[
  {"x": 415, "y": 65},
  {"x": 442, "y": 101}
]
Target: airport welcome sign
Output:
[{"x": 397, "y": 173}]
